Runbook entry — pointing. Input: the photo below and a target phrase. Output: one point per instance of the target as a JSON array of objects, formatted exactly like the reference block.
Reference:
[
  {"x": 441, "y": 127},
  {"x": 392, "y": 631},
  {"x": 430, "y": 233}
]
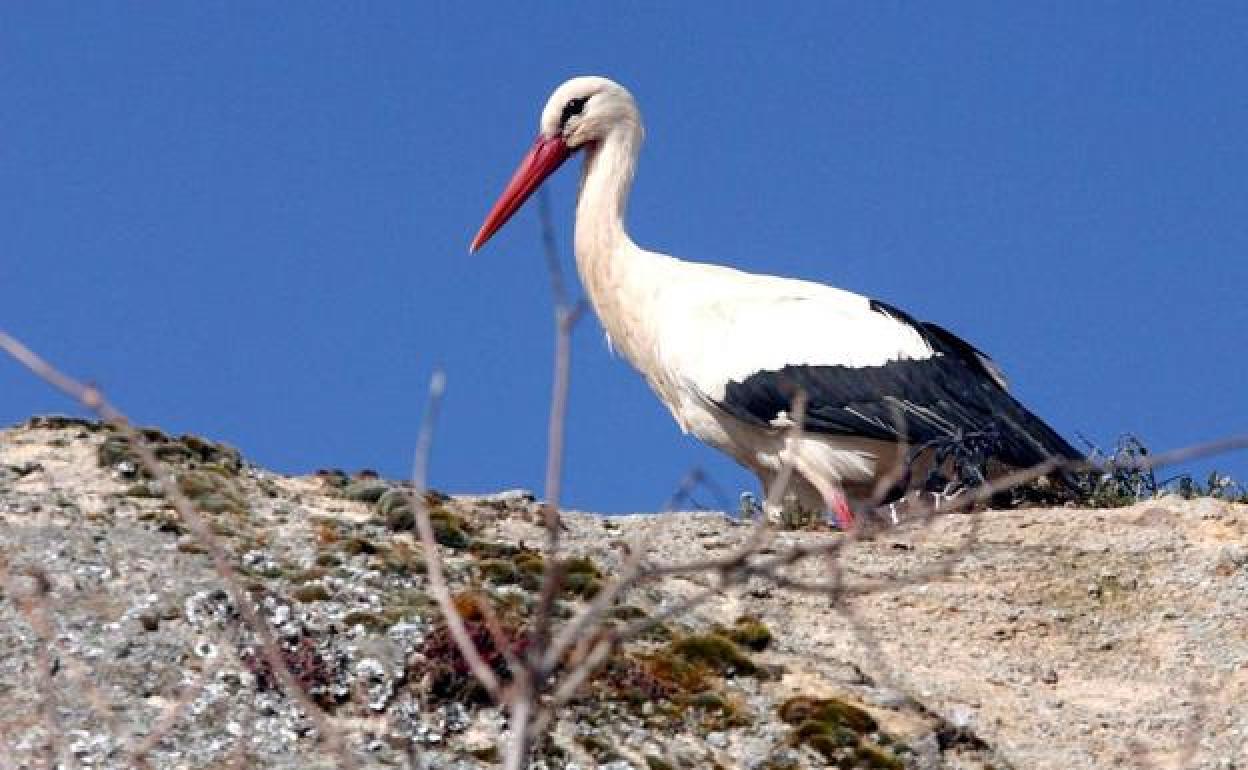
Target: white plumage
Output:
[{"x": 727, "y": 351}]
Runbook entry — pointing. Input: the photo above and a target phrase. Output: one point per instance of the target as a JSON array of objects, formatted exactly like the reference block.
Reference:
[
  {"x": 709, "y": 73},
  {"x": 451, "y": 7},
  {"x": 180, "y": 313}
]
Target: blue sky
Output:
[{"x": 250, "y": 221}]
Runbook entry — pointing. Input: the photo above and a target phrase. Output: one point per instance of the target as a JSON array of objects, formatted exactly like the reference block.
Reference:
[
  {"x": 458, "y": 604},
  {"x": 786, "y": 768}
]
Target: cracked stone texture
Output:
[{"x": 1029, "y": 638}]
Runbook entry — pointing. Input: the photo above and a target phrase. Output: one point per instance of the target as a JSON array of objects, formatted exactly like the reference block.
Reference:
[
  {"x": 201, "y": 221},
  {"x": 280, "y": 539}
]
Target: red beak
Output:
[{"x": 541, "y": 161}]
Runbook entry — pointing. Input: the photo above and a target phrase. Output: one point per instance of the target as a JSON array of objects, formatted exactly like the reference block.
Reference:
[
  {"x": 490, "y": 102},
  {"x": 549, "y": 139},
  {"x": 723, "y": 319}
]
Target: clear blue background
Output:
[{"x": 250, "y": 221}]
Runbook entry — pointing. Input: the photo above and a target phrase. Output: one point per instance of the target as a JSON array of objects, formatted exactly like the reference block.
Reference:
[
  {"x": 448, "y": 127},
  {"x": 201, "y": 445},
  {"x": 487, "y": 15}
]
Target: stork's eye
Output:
[{"x": 573, "y": 107}]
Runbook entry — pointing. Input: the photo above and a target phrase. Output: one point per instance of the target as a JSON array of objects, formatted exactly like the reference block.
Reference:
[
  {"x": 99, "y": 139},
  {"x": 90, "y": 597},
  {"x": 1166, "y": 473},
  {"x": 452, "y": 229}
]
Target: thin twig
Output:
[
  {"x": 552, "y": 576},
  {"x": 93, "y": 399},
  {"x": 593, "y": 613},
  {"x": 169, "y": 716},
  {"x": 32, "y": 603},
  {"x": 524, "y": 690},
  {"x": 433, "y": 559},
  {"x": 695, "y": 478}
]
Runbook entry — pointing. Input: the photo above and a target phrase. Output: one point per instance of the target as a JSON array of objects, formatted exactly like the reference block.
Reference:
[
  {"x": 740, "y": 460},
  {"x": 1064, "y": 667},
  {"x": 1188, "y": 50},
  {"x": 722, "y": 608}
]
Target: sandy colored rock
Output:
[{"x": 1028, "y": 639}]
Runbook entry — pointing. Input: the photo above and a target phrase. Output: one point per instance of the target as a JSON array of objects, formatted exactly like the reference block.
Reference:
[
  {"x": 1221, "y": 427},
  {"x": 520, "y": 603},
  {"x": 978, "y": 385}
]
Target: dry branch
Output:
[{"x": 93, "y": 399}]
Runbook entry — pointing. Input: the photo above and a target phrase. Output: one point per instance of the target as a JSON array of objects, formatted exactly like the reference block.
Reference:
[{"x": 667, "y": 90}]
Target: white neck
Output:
[
  {"x": 612, "y": 267},
  {"x": 606, "y": 180}
]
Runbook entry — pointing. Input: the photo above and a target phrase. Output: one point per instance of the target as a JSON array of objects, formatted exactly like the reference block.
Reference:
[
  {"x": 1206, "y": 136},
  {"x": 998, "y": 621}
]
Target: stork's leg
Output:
[
  {"x": 748, "y": 507},
  {"x": 780, "y": 507},
  {"x": 823, "y": 494},
  {"x": 840, "y": 508},
  {"x": 802, "y": 502},
  {"x": 772, "y": 511},
  {"x": 893, "y": 515}
]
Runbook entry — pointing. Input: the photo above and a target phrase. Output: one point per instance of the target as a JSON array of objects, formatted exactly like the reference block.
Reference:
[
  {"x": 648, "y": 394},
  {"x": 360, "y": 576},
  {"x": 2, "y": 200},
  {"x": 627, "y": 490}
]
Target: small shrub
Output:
[
  {"x": 749, "y": 632},
  {"x": 444, "y": 668}
]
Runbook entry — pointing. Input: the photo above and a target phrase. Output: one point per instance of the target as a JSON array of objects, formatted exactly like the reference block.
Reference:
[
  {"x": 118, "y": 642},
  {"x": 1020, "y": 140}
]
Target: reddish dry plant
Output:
[
  {"x": 440, "y": 663},
  {"x": 315, "y": 668}
]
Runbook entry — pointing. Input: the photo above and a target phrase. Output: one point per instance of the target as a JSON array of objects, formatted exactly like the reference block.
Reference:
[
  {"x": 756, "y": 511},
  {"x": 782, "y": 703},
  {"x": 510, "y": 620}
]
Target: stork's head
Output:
[{"x": 580, "y": 112}]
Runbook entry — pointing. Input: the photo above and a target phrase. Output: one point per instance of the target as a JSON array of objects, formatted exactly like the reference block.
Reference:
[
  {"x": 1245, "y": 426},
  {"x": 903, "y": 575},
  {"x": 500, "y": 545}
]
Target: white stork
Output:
[{"x": 727, "y": 351}]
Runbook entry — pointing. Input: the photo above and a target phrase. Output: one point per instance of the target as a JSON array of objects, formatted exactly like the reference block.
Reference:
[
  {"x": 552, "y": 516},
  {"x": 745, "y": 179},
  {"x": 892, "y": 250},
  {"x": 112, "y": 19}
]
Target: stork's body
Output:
[{"x": 727, "y": 351}]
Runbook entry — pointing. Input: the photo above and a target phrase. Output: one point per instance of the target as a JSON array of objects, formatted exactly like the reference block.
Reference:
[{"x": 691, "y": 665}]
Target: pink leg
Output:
[{"x": 841, "y": 509}]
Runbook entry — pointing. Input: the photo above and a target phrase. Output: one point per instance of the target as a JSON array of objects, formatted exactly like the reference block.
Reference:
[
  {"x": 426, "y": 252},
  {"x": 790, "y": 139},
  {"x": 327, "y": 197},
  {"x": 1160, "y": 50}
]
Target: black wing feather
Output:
[{"x": 952, "y": 396}]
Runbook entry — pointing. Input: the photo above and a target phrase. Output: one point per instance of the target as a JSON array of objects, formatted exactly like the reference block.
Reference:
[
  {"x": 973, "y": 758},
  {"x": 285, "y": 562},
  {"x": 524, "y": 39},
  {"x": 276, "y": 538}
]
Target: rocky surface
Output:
[{"x": 1028, "y": 639}]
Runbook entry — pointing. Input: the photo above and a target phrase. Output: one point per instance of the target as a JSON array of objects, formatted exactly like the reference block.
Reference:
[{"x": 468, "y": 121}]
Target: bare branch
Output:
[
  {"x": 32, "y": 603},
  {"x": 433, "y": 559},
  {"x": 695, "y": 478},
  {"x": 566, "y": 317},
  {"x": 597, "y": 608},
  {"x": 169, "y": 716},
  {"x": 92, "y": 399}
]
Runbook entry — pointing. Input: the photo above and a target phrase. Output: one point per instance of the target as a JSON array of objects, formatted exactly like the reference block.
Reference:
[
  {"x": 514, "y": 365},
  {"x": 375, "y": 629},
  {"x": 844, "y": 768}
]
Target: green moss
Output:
[
  {"x": 142, "y": 489},
  {"x": 334, "y": 478},
  {"x": 64, "y": 422},
  {"x": 214, "y": 452},
  {"x": 195, "y": 485},
  {"x": 776, "y": 763},
  {"x": 685, "y": 673},
  {"x": 449, "y": 529},
  {"x": 827, "y": 734},
  {"x": 600, "y": 748},
  {"x": 312, "y": 592},
  {"x": 211, "y": 492},
  {"x": 185, "y": 451},
  {"x": 714, "y": 710},
  {"x": 220, "y": 504},
  {"x": 530, "y": 566},
  {"x": 354, "y": 546},
  {"x": 657, "y": 632},
  {"x": 486, "y": 754},
  {"x": 498, "y": 571},
  {"x": 166, "y": 520},
  {"x": 484, "y": 549},
  {"x": 833, "y": 728},
  {"x": 828, "y": 710},
  {"x": 667, "y": 672},
  {"x": 709, "y": 700},
  {"x": 581, "y": 565},
  {"x": 373, "y": 621},
  {"x": 309, "y": 574},
  {"x": 402, "y": 559},
  {"x": 657, "y": 763},
  {"x": 876, "y": 758},
  {"x": 580, "y": 577},
  {"x": 627, "y": 612},
  {"x": 749, "y": 632},
  {"x": 172, "y": 453},
  {"x": 581, "y": 585},
  {"x": 515, "y": 605},
  {"x": 395, "y": 508},
  {"x": 366, "y": 490},
  {"x": 394, "y": 615},
  {"x": 717, "y": 652},
  {"x": 113, "y": 450}
]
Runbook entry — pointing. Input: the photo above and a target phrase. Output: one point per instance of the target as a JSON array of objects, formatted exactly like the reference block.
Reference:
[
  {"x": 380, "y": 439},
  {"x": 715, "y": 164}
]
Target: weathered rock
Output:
[{"x": 1032, "y": 639}]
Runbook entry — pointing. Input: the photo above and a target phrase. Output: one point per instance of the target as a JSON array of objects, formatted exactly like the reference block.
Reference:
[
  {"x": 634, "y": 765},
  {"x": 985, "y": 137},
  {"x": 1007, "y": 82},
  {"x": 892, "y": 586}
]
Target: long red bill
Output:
[{"x": 541, "y": 161}]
